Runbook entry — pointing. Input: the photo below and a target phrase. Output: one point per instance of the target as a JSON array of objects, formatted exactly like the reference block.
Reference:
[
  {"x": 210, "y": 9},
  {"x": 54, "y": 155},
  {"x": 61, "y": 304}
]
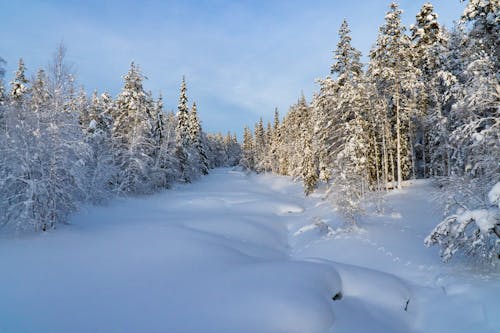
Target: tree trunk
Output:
[{"x": 398, "y": 144}]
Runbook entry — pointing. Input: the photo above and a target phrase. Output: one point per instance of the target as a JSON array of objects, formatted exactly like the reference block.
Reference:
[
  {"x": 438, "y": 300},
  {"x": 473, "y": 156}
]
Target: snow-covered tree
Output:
[
  {"x": 196, "y": 140},
  {"x": 259, "y": 146},
  {"x": 41, "y": 170},
  {"x": 392, "y": 68},
  {"x": 428, "y": 45},
  {"x": 99, "y": 162},
  {"x": 133, "y": 143},
  {"x": 323, "y": 105},
  {"x": 349, "y": 132},
  {"x": 473, "y": 231},
  {"x": 3, "y": 97},
  {"x": 248, "y": 154},
  {"x": 19, "y": 85},
  {"x": 484, "y": 15}
]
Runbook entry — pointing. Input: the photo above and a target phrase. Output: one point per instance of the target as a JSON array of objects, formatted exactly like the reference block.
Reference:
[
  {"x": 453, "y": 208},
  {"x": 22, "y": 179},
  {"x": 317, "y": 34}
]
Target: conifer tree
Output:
[
  {"x": 428, "y": 42},
  {"x": 248, "y": 154},
  {"x": 259, "y": 145},
  {"x": 484, "y": 15},
  {"x": 196, "y": 140},
  {"x": 19, "y": 85},
  {"x": 3, "y": 97},
  {"x": 182, "y": 134},
  {"x": 131, "y": 133},
  {"x": 392, "y": 68}
]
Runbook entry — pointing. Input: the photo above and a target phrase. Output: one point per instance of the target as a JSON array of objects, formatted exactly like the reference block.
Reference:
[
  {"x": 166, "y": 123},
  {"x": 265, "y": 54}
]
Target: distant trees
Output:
[
  {"x": 60, "y": 148},
  {"x": 426, "y": 106}
]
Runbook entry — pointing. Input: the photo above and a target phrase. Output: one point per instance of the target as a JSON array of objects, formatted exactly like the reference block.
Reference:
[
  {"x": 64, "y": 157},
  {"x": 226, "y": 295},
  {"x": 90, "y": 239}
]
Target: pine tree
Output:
[
  {"x": 182, "y": 135},
  {"x": 196, "y": 140},
  {"x": 323, "y": 105},
  {"x": 19, "y": 85},
  {"x": 3, "y": 98},
  {"x": 247, "y": 160},
  {"x": 484, "y": 15},
  {"x": 347, "y": 58},
  {"x": 259, "y": 145},
  {"x": 428, "y": 42},
  {"x": 349, "y": 130},
  {"x": 131, "y": 133},
  {"x": 274, "y": 144},
  {"x": 182, "y": 131},
  {"x": 392, "y": 68}
]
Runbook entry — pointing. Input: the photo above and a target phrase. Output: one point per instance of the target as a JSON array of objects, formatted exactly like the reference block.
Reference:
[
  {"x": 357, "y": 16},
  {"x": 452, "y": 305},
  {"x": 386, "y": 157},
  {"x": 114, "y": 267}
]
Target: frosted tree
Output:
[
  {"x": 99, "y": 162},
  {"x": 391, "y": 67},
  {"x": 3, "y": 97},
  {"x": 310, "y": 174},
  {"x": 233, "y": 150},
  {"x": 217, "y": 150},
  {"x": 132, "y": 135},
  {"x": 182, "y": 130},
  {"x": 471, "y": 231},
  {"x": 274, "y": 143},
  {"x": 259, "y": 145},
  {"x": 347, "y": 62},
  {"x": 248, "y": 154},
  {"x": 196, "y": 140},
  {"x": 323, "y": 105},
  {"x": 484, "y": 15},
  {"x": 19, "y": 85},
  {"x": 474, "y": 139},
  {"x": 165, "y": 169},
  {"x": 349, "y": 130},
  {"x": 183, "y": 147},
  {"x": 42, "y": 172},
  {"x": 428, "y": 42}
]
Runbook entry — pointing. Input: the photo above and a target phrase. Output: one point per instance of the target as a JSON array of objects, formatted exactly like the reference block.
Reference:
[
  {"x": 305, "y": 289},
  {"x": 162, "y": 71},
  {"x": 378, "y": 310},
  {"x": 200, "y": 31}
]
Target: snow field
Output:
[{"x": 241, "y": 253}]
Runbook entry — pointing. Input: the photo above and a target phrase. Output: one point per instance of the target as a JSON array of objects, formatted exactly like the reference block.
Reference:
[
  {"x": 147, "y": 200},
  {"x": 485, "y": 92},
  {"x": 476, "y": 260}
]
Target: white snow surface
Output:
[{"x": 242, "y": 253}]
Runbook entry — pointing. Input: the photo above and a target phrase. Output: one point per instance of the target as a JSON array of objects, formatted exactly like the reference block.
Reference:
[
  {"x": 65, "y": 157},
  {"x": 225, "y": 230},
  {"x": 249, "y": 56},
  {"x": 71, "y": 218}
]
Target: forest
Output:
[
  {"x": 61, "y": 148},
  {"x": 425, "y": 106}
]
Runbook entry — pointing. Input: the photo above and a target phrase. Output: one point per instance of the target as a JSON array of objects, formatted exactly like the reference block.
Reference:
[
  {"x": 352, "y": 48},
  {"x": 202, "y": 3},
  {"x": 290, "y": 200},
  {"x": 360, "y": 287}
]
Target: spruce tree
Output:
[
  {"x": 428, "y": 44},
  {"x": 182, "y": 134},
  {"x": 391, "y": 66},
  {"x": 19, "y": 85},
  {"x": 248, "y": 154},
  {"x": 131, "y": 133},
  {"x": 197, "y": 141}
]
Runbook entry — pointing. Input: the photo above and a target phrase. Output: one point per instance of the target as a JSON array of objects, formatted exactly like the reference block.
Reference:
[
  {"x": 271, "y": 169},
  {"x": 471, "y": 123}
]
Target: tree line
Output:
[
  {"x": 425, "y": 106},
  {"x": 60, "y": 148}
]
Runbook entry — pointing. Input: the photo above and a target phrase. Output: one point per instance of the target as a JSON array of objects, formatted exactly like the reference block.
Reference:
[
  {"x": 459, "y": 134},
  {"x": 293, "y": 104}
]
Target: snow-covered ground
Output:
[{"x": 241, "y": 253}]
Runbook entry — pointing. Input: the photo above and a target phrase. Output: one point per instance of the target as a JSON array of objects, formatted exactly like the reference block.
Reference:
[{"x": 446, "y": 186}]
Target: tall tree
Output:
[
  {"x": 197, "y": 140},
  {"x": 182, "y": 134},
  {"x": 247, "y": 160},
  {"x": 484, "y": 15},
  {"x": 132, "y": 135},
  {"x": 428, "y": 43},
  {"x": 391, "y": 66}
]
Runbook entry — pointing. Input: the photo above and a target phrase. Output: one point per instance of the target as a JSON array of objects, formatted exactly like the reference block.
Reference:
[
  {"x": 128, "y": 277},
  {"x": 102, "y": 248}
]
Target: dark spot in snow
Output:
[
  {"x": 406, "y": 304},
  {"x": 338, "y": 296}
]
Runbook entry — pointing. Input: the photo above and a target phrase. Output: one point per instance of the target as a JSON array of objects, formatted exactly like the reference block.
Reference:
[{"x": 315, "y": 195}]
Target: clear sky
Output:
[{"x": 241, "y": 59}]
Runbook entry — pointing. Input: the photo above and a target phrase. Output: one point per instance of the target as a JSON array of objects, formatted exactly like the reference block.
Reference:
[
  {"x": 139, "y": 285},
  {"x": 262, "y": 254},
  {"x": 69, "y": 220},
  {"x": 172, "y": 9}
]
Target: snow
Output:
[
  {"x": 494, "y": 195},
  {"x": 242, "y": 253}
]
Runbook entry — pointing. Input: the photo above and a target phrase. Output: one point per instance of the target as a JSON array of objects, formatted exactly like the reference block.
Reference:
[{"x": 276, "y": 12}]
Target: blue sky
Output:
[{"x": 241, "y": 59}]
